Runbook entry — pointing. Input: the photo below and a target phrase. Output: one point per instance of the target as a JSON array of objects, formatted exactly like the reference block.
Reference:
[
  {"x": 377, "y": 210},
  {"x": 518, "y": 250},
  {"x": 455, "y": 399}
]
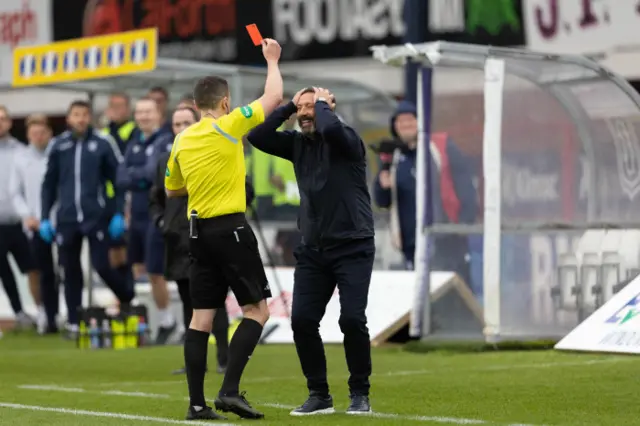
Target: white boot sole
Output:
[{"x": 315, "y": 413}]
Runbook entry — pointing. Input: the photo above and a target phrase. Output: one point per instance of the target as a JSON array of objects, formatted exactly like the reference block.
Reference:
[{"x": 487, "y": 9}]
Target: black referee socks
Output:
[
  {"x": 195, "y": 361},
  {"x": 243, "y": 342}
]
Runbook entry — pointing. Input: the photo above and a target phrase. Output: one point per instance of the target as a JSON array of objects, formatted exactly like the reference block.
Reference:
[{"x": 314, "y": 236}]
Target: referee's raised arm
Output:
[{"x": 273, "y": 87}]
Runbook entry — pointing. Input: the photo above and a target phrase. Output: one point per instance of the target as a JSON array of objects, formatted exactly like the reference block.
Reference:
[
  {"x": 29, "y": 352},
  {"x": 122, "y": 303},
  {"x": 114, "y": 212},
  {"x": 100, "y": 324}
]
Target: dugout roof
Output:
[
  {"x": 603, "y": 112},
  {"x": 553, "y": 72}
]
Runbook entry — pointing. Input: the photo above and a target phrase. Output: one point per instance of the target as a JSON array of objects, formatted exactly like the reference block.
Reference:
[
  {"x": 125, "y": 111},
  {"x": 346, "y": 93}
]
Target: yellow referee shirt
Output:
[{"x": 208, "y": 159}]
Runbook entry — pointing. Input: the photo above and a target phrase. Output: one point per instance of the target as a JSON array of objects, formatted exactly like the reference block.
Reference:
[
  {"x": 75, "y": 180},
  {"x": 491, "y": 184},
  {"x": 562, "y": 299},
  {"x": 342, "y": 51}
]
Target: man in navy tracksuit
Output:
[
  {"x": 122, "y": 130},
  {"x": 80, "y": 163},
  {"x": 136, "y": 175},
  {"x": 161, "y": 96},
  {"x": 454, "y": 196}
]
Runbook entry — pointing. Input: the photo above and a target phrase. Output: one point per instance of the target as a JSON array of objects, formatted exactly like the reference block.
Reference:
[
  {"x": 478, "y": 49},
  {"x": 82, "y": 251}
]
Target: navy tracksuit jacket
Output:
[
  {"x": 76, "y": 175},
  {"x": 77, "y": 170},
  {"x": 136, "y": 174}
]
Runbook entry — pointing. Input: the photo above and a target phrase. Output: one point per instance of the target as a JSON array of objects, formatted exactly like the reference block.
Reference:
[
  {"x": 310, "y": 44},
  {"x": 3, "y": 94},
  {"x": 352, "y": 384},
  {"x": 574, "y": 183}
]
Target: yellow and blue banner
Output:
[{"x": 85, "y": 58}]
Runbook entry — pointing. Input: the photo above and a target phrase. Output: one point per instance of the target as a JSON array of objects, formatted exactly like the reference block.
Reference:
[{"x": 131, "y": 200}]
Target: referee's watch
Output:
[{"x": 322, "y": 100}]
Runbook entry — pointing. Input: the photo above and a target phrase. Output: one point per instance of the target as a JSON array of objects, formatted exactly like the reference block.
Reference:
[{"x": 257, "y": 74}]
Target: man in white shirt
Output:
[
  {"x": 12, "y": 240},
  {"x": 25, "y": 186}
]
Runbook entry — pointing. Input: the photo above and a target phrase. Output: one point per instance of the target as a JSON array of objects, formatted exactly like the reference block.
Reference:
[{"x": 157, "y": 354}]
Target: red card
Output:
[{"x": 254, "y": 33}]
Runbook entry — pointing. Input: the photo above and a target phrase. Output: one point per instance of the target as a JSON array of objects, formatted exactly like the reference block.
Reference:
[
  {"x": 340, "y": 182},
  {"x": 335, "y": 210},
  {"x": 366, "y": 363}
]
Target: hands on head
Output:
[
  {"x": 318, "y": 92},
  {"x": 296, "y": 97},
  {"x": 322, "y": 93}
]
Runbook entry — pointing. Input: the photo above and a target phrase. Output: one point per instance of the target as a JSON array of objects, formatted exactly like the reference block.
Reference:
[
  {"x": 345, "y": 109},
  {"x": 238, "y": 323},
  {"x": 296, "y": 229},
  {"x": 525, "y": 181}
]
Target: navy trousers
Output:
[
  {"x": 317, "y": 273},
  {"x": 69, "y": 239},
  {"x": 13, "y": 241},
  {"x": 49, "y": 286}
]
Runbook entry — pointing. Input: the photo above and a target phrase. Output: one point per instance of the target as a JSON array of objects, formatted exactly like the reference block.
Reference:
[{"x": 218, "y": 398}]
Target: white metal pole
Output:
[
  {"x": 494, "y": 72},
  {"x": 421, "y": 313}
]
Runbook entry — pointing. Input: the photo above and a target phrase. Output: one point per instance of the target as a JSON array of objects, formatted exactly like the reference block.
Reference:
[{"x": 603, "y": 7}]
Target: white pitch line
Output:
[
  {"x": 51, "y": 388},
  {"x": 433, "y": 419},
  {"x": 487, "y": 368},
  {"x": 140, "y": 394},
  {"x": 87, "y": 413},
  {"x": 418, "y": 418},
  {"x": 275, "y": 405}
]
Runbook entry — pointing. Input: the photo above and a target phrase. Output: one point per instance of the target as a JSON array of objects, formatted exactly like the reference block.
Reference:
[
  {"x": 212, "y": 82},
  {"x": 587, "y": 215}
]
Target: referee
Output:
[{"x": 207, "y": 164}]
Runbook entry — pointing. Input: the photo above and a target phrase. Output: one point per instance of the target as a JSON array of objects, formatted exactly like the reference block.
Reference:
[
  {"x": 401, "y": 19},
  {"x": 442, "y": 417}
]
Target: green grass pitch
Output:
[{"x": 49, "y": 381}]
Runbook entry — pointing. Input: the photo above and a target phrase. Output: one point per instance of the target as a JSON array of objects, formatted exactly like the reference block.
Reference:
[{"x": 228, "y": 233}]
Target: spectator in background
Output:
[
  {"x": 182, "y": 118},
  {"x": 274, "y": 181},
  {"x": 185, "y": 102},
  {"x": 120, "y": 126},
  {"x": 12, "y": 239},
  {"x": 454, "y": 196},
  {"x": 122, "y": 129},
  {"x": 161, "y": 96},
  {"x": 135, "y": 175},
  {"x": 80, "y": 161},
  {"x": 26, "y": 184}
]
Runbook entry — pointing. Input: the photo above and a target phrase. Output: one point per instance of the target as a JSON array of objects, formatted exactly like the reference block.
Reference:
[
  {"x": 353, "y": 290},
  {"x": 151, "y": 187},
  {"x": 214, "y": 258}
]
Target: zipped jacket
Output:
[{"x": 77, "y": 169}]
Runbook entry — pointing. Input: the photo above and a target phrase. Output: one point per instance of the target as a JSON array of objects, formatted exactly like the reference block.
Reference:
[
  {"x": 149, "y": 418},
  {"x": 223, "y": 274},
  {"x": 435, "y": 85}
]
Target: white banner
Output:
[
  {"x": 612, "y": 328},
  {"x": 22, "y": 23},
  {"x": 581, "y": 26},
  {"x": 390, "y": 300}
]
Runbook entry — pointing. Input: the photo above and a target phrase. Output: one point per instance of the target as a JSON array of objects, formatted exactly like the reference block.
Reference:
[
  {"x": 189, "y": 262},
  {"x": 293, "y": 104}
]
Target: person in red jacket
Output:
[{"x": 454, "y": 198}]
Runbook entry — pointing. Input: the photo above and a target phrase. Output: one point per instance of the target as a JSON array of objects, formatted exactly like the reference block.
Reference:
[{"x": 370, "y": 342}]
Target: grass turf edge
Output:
[{"x": 426, "y": 346}]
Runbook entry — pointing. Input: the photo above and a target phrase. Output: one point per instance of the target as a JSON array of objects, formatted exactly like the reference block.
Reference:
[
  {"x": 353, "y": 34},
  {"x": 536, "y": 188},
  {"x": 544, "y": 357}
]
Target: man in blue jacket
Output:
[
  {"x": 136, "y": 175},
  {"x": 80, "y": 162},
  {"x": 454, "y": 195},
  {"x": 161, "y": 96},
  {"x": 122, "y": 129}
]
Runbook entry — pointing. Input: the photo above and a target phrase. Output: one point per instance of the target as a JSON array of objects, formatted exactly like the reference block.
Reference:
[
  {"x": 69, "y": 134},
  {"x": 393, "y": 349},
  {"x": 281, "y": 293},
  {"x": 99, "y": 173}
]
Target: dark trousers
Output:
[
  {"x": 13, "y": 241},
  {"x": 69, "y": 239},
  {"x": 317, "y": 273},
  {"x": 220, "y": 328},
  {"x": 49, "y": 287}
]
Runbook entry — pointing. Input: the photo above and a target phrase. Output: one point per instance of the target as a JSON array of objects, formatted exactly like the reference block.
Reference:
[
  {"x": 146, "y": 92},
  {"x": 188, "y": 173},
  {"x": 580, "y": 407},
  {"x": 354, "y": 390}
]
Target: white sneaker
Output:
[
  {"x": 41, "y": 321},
  {"x": 71, "y": 331},
  {"x": 24, "y": 321}
]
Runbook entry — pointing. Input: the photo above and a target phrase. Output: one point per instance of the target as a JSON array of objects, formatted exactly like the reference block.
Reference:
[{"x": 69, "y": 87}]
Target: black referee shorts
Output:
[{"x": 225, "y": 255}]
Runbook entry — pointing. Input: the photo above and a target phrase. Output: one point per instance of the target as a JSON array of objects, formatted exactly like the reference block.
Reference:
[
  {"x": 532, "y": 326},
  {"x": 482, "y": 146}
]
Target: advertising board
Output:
[
  {"x": 22, "y": 23},
  {"x": 390, "y": 300},
  {"x": 86, "y": 58},
  {"x": 615, "y": 327}
]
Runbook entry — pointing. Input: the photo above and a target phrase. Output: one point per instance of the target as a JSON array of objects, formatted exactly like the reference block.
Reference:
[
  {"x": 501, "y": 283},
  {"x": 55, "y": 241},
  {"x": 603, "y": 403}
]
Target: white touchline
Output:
[
  {"x": 140, "y": 394},
  {"x": 51, "y": 388},
  {"x": 418, "y": 418},
  {"x": 486, "y": 368},
  {"x": 87, "y": 413}
]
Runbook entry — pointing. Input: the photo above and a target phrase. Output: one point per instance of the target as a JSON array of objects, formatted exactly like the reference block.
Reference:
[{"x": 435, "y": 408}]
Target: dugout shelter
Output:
[{"x": 553, "y": 142}]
